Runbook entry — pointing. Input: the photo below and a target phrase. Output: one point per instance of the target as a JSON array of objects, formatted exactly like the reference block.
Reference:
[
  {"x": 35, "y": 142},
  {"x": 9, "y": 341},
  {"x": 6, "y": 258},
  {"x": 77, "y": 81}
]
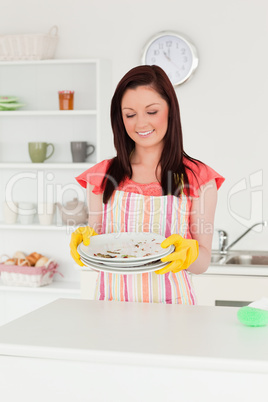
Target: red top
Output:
[{"x": 204, "y": 174}]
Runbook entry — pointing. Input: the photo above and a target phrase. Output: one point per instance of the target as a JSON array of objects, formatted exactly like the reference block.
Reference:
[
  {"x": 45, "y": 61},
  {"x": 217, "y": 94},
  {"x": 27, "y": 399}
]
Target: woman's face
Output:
[{"x": 145, "y": 116}]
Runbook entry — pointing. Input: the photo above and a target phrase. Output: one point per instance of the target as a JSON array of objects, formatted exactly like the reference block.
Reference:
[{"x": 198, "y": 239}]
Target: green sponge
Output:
[{"x": 252, "y": 316}]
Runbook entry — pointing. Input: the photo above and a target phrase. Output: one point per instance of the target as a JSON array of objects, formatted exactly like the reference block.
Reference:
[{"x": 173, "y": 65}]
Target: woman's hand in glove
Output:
[
  {"x": 81, "y": 234},
  {"x": 186, "y": 252}
]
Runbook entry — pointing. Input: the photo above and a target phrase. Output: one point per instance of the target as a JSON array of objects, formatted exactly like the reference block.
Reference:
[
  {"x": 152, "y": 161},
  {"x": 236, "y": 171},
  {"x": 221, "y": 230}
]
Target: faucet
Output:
[
  {"x": 223, "y": 240},
  {"x": 223, "y": 237}
]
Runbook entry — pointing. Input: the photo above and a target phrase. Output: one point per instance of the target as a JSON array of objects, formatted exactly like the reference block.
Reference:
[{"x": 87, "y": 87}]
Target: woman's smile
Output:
[{"x": 145, "y": 133}]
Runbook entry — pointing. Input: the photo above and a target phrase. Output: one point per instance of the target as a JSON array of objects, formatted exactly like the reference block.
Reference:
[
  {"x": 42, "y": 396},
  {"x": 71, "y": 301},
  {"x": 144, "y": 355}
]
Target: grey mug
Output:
[{"x": 80, "y": 151}]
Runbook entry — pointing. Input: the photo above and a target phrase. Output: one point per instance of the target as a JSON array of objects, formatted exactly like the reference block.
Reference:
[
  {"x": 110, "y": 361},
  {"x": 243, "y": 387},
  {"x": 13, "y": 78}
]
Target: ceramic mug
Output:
[
  {"x": 46, "y": 213},
  {"x": 10, "y": 212},
  {"x": 80, "y": 152},
  {"x": 26, "y": 212},
  {"x": 38, "y": 151}
]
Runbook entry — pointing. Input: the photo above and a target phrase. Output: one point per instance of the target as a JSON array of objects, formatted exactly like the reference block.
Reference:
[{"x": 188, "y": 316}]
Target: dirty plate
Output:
[
  {"x": 125, "y": 248},
  {"x": 124, "y": 271}
]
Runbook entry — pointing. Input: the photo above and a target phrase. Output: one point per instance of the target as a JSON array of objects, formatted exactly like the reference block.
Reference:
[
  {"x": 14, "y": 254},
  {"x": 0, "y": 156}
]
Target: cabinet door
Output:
[
  {"x": 88, "y": 284},
  {"x": 15, "y": 304},
  {"x": 231, "y": 290}
]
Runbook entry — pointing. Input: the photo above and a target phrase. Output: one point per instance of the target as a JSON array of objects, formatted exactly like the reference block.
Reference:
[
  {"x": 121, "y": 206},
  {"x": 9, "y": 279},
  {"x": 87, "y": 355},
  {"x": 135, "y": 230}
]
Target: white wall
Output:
[{"x": 223, "y": 107}]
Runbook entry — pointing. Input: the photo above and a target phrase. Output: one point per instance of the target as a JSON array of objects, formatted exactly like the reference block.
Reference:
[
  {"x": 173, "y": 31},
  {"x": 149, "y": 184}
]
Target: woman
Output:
[{"x": 152, "y": 185}]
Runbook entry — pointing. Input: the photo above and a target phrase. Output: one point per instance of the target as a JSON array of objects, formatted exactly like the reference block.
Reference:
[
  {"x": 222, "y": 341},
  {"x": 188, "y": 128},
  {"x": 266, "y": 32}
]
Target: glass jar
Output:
[{"x": 66, "y": 100}]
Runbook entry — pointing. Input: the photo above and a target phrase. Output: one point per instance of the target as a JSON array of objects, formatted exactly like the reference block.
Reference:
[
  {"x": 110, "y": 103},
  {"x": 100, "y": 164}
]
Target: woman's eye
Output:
[
  {"x": 152, "y": 112},
  {"x": 128, "y": 116}
]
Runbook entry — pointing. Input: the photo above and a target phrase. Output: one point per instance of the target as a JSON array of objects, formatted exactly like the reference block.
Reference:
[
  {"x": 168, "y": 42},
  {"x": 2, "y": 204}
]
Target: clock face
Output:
[{"x": 174, "y": 54}]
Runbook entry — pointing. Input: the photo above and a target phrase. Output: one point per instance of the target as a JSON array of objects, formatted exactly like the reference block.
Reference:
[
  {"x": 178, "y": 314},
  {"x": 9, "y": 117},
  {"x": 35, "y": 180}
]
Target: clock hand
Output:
[
  {"x": 169, "y": 59},
  {"x": 166, "y": 55}
]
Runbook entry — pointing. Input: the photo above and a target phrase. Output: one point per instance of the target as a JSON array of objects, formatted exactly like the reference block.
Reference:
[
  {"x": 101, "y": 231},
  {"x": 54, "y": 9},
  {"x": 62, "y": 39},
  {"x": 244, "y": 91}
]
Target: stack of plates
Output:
[
  {"x": 125, "y": 253},
  {"x": 9, "y": 103}
]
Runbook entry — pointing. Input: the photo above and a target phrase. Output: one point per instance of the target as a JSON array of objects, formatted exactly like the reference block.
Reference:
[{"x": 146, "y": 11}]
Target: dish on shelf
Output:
[
  {"x": 8, "y": 99},
  {"x": 10, "y": 105}
]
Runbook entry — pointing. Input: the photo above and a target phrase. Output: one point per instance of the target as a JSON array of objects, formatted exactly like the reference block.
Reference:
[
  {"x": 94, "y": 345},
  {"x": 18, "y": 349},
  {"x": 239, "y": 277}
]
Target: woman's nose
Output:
[{"x": 141, "y": 121}]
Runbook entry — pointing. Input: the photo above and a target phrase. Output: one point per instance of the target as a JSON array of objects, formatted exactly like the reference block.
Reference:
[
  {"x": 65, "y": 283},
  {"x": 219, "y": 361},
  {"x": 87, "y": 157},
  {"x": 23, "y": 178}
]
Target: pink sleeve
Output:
[
  {"x": 203, "y": 174},
  {"x": 94, "y": 176}
]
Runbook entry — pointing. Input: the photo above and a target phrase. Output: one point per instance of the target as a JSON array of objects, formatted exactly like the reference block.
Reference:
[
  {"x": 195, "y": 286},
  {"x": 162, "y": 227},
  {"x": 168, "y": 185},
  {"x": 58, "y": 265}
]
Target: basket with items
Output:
[{"x": 31, "y": 270}]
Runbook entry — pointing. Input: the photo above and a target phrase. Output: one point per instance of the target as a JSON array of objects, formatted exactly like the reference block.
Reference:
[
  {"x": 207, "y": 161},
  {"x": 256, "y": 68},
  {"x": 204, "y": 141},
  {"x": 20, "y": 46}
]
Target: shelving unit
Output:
[
  {"x": 45, "y": 166},
  {"x": 62, "y": 113},
  {"x": 55, "y": 287},
  {"x": 36, "y": 84},
  {"x": 36, "y": 226}
]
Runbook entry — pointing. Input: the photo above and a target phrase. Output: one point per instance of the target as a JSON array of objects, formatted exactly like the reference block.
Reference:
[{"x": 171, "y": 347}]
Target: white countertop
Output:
[
  {"x": 138, "y": 333},
  {"x": 242, "y": 270}
]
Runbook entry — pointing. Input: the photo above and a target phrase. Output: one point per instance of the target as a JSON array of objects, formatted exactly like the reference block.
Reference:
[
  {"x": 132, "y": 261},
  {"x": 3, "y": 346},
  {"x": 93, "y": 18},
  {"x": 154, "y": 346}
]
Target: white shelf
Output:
[
  {"x": 54, "y": 287},
  {"x": 36, "y": 226},
  {"x": 48, "y": 61},
  {"x": 11, "y": 113},
  {"x": 30, "y": 165}
]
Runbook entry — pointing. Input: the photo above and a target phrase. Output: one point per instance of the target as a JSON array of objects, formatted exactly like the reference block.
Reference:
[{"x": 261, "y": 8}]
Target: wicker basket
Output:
[
  {"x": 29, "y": 46},
  {"x": 14, "y": 275}
]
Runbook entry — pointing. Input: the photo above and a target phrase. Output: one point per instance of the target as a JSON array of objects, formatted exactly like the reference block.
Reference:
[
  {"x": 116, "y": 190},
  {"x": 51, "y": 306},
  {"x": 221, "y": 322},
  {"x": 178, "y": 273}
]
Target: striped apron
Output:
[{"x": 165, "y": 215}]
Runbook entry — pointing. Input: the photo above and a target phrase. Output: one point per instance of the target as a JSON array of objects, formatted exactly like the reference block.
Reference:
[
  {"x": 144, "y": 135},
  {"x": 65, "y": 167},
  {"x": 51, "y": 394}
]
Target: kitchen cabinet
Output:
[
  {"x": 157, "y": 351},
  {"x": 213, "y": 289},
  {"x": 218, "y": 286},
  {"x": 16, "y": 302},
  {"x": 36, "y": 85}
]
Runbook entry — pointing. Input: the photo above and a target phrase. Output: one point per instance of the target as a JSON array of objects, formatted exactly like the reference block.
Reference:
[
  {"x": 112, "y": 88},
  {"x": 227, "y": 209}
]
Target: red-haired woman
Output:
[{"x": 151, "y": 185}]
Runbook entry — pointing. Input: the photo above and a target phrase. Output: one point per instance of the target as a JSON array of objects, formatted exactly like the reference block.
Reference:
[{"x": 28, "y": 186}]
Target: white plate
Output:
[
  {"x": 114, "y": 263},
  {"x": 124, "y": 271},
  {"x": 10, "y": 106},
  {"x": 137, "y": 246},
  {"x": 8, "y": 99}
]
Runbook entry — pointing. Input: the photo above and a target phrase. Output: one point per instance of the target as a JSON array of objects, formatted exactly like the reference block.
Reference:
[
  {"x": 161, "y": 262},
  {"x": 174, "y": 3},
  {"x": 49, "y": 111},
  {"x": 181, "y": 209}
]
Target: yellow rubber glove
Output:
[
  {"x": 186, "y": 252},
  {"x": 81, "y": 234}
]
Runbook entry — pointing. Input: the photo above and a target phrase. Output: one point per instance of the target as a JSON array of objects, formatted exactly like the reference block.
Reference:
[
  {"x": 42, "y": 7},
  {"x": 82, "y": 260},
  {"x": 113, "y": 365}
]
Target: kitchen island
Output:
[{"x": 87, "y": 350}]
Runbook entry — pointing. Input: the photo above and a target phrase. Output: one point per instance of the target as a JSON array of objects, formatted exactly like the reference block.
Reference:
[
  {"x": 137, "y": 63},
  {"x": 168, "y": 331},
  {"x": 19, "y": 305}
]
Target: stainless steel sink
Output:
[
  {"x": 215, "y": 258},
  {"x": 242, "y": 258},
  {"x": 247, "y": 259}
]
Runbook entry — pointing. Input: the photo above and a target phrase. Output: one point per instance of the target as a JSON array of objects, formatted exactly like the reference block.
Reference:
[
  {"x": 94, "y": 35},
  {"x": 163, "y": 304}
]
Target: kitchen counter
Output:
[
  {"x": 83, "y": 347},
  {"x": 217, "y": 269}
]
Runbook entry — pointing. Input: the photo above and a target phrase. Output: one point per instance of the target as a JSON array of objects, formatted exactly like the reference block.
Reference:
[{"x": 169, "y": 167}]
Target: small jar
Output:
[{"x": 66, "y": 100}]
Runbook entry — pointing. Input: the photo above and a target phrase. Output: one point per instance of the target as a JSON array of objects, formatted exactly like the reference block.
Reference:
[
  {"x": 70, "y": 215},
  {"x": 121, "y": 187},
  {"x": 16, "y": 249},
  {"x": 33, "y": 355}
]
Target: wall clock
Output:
[{"x": 174, "y": 53}]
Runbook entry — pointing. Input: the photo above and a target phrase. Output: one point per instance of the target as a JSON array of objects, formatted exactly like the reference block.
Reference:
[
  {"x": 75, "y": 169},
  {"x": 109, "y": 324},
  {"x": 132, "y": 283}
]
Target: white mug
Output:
[
  {"x": 10, "y": 212},
  {"x": 46, "y": 213},
  {"x": 26, "y": 212}
]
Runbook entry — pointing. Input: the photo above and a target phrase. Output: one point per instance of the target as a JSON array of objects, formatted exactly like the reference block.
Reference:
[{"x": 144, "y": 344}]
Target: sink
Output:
[
  {"x": 215, "y": 258},
  {"x": 247, "y": 259},
  {"x": 240, "y": 258}
]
